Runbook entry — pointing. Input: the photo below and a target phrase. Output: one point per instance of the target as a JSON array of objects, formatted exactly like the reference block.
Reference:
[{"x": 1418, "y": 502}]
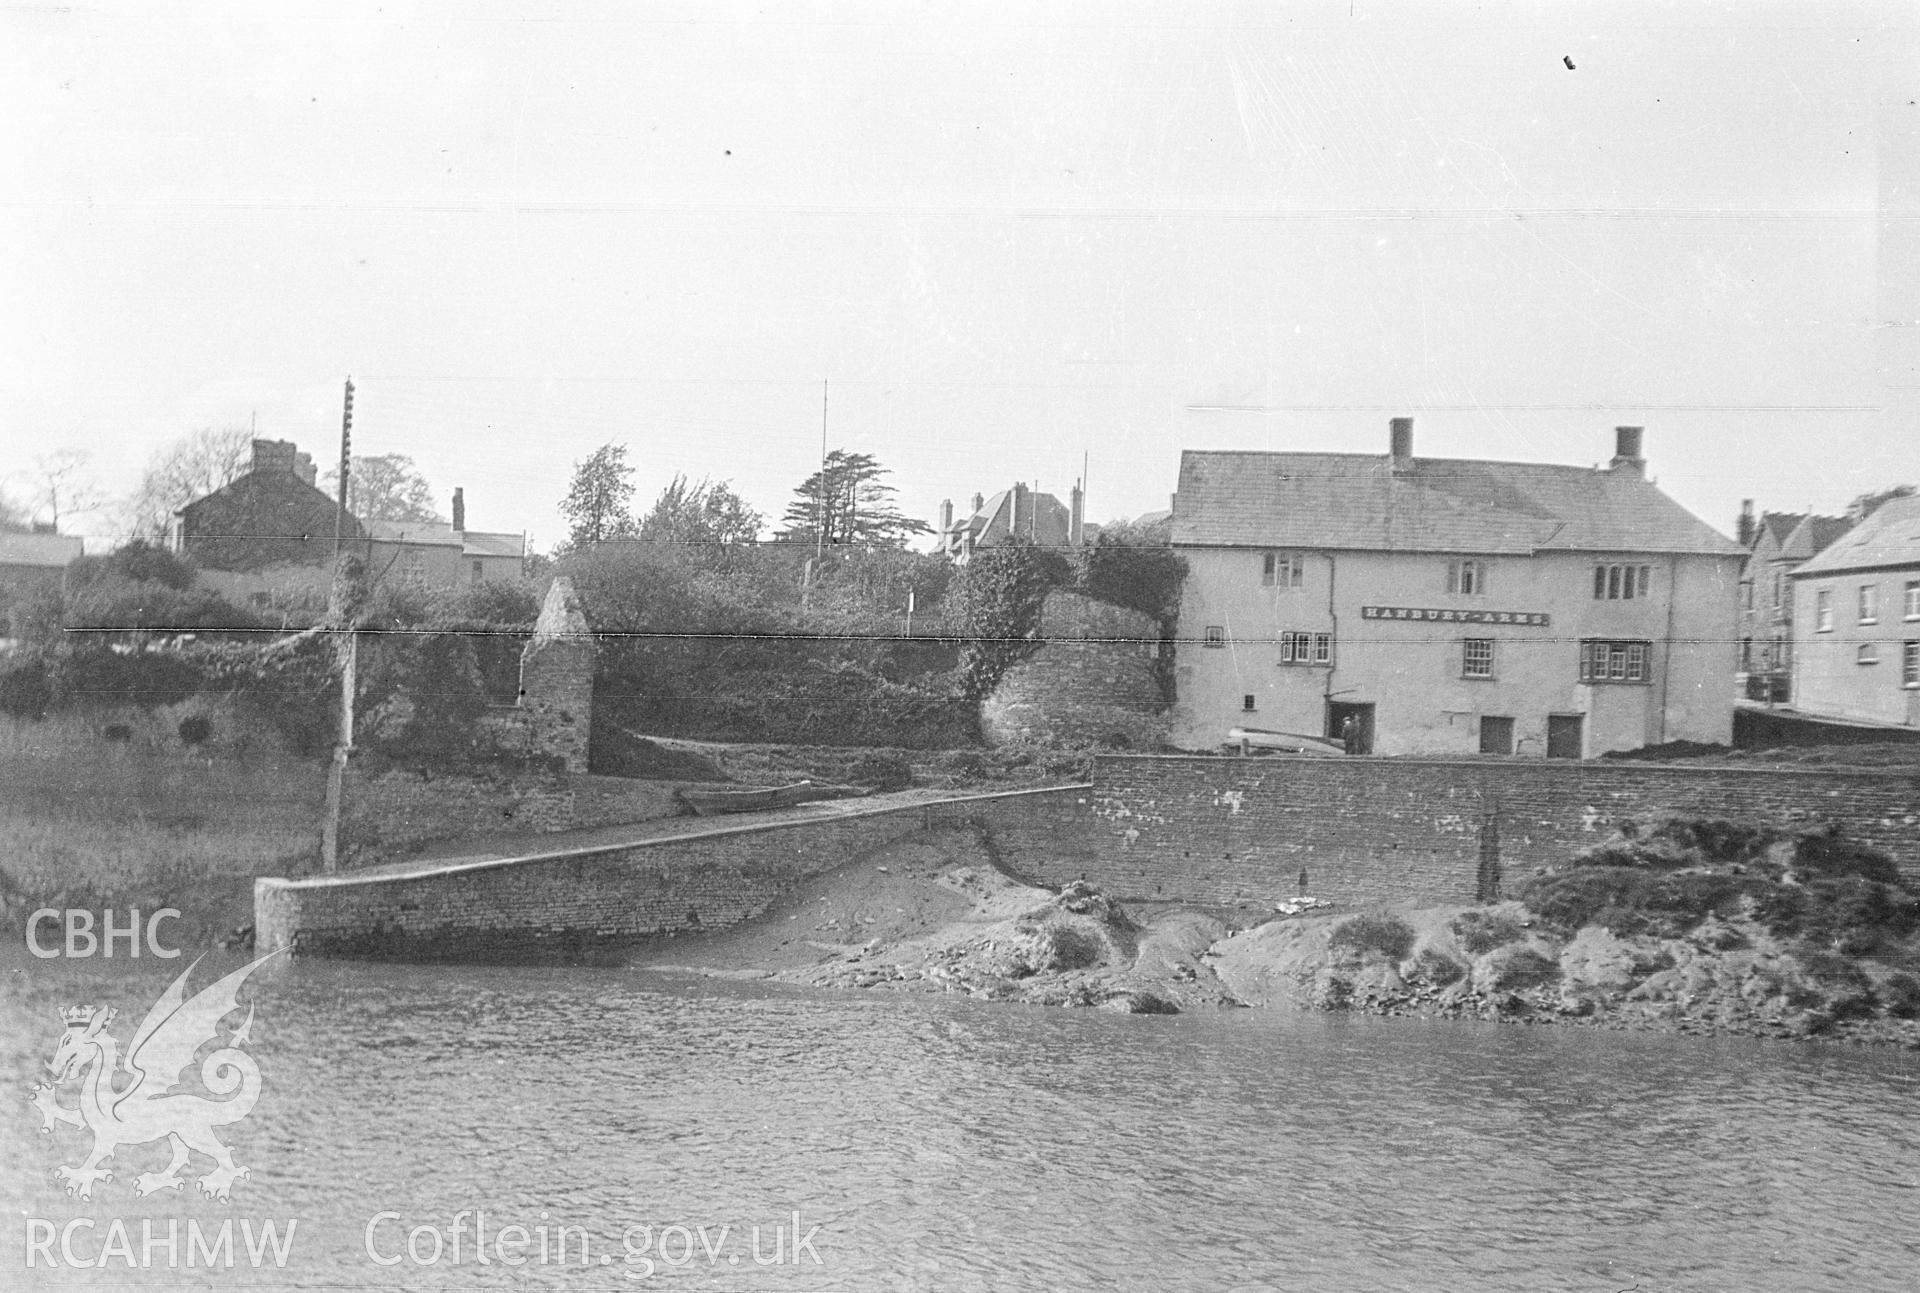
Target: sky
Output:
[{"x": 983, "y": 243}]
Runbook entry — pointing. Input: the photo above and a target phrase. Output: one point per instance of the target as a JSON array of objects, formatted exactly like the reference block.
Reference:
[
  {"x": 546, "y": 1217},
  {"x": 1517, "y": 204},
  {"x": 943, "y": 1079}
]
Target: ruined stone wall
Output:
[
  {"x": 552, "y": 722},
  {"x": 1091, "y": 682}
]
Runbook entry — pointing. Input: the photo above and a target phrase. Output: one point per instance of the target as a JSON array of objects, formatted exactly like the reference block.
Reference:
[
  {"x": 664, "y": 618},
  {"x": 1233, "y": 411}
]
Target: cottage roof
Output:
[
  {"x": 432, "y": 534},
  {"x": 1890, "y": 537},
  {"x": 51, "y": 551},
  {"x": 488, "y": 543},
  {"x": 1367, "y": 502}
]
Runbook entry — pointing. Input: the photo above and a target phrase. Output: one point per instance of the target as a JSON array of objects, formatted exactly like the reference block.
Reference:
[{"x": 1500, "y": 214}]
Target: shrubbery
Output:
[{"x": 1384, "y": 936}]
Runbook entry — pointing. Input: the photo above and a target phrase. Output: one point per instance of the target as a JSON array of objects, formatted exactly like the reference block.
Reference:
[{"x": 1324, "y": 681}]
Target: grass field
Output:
[{"x": 84, "y": 815}]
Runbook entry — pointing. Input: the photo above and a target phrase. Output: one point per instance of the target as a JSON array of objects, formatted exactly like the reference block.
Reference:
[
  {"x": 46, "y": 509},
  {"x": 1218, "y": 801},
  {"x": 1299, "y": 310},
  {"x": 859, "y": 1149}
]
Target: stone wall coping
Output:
[
  {"x": 1610, "y": 767},
  {"x": 455, "y": 866}
]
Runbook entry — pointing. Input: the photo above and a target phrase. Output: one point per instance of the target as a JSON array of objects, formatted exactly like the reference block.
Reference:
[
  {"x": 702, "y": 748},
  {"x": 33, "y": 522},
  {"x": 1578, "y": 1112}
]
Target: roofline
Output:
[
  {"x": 1801, "y": 571},
  {"x": 1384, "y": 458},
  {"x": 1736, "y": 554}
]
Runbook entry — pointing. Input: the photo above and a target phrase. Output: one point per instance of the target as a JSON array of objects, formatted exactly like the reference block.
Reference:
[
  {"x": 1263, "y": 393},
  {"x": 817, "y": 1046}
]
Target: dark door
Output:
[
  {"x": 1339, "y": 711},
  {"x": 1496, "y": 736},
  {"x": 1564, "y": 733}
]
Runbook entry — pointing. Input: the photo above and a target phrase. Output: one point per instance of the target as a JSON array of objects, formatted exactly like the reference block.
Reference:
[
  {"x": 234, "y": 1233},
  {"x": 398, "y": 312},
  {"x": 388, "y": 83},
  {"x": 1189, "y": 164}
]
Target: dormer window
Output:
[
  {"x": 1282, "y": 569},
  {"x": 1467, "y": 578}
]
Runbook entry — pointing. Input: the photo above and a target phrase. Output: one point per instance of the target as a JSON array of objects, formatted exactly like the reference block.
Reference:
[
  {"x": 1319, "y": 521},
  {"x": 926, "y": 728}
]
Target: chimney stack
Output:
[
  {"x": 1626, "y": 450},
  {"x": 1076, "y": 519},
  {"x": 275, "y": 455},
  {"x": 1749, "y": 528},
  {"x": 459, "y": 510},
  {"x": 946, "y": 517},
  {"x": 303, "y": 468},
  {"x": 1400, "y": 438}
]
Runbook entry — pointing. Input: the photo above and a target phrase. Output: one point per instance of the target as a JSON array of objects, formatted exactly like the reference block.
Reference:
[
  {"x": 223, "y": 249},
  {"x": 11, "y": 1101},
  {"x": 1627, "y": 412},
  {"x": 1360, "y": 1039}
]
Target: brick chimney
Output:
[
  {"x": 1626, "y": 450},
  {"x": 1076, "y": 520},
  {"x": 1749, "y": 529},
  {"x": 978, "y": 503},
  {"x": 274, "y": 455},
  {"x": 1400, "y": 443},
  {"x": 946, "y": 517},
  {"x": 459, "y": 510},
  {"x": 303, "y": 468}
]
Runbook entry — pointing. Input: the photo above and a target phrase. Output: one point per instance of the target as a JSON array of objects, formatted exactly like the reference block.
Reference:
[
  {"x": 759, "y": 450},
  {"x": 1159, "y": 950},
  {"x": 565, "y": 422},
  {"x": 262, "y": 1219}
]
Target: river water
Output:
[{"x": 928, "y": 1143}]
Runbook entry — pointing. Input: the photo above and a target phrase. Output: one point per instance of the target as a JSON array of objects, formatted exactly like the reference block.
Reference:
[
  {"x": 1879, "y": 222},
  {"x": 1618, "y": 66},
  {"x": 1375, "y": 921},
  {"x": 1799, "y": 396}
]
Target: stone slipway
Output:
[{"x": 590, "y": 895}]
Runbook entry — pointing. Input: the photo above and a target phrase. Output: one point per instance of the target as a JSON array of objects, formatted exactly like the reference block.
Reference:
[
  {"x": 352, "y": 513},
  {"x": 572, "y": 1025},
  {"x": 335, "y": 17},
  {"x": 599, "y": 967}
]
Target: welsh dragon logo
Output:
[{"x": 133, "y": 1102}]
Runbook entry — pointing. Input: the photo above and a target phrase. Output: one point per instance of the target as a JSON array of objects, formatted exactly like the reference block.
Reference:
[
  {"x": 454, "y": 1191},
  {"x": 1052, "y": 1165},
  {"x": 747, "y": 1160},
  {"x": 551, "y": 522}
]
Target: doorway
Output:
[
  {"x": 1496, "y": 735},
  {"x": 1339, "y": 711},
  {"x": 1566, "y": 735}
]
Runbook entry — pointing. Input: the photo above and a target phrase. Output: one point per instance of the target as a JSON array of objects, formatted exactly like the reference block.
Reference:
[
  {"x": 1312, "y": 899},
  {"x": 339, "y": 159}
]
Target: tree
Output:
[
  {"x": 701, "y": 515},
  {"x": 597, "y": 501},
  {"x": 189, "y": 468},
  {"x": 846, "y": 500},
  {"x": 1000, "y": 593},
  {"x": 1133, "y": 564},
  {"x": 385, "y": 487},
  {"x": 1867, "y": 504},
  {"x": 61, "y": 487},
  {"x": 12, "y": 518}
]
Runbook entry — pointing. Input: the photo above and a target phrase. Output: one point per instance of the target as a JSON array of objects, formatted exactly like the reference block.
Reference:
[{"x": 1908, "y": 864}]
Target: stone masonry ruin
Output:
[{"x": 552, "y": 720}]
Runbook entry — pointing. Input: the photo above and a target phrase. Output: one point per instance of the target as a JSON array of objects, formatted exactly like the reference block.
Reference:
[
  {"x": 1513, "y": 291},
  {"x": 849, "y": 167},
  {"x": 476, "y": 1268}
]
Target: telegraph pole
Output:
[{"x": 345, "y": 607}]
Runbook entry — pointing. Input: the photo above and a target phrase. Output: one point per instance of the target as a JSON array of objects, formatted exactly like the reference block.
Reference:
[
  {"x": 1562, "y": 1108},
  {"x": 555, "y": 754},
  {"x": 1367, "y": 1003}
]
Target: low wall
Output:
[
  {"x": 582, "y": 904},
  {"x": 1367, "y": 831}
]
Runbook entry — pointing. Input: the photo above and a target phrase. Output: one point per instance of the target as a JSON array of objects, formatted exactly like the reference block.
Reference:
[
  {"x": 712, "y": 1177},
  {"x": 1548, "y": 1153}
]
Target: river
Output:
[{"x": 893, "y": 1142}]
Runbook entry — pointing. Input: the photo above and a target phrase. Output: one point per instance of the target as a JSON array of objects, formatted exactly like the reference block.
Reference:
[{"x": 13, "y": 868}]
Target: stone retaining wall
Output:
[{"x": 579, "y": 904}]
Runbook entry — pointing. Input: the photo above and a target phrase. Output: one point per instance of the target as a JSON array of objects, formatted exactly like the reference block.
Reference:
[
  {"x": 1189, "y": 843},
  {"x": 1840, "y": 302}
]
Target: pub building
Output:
[{"x": 1449, "y": 606}]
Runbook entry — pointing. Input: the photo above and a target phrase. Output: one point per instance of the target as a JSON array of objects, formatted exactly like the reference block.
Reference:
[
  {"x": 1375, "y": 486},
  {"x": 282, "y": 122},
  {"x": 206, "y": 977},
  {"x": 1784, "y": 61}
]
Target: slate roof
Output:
[
  {"x": 433, "y": 534},
  {"x": 1781, "y": 525},
  {"x": 51, "y": 551},
  {"x": 1360, "y": 502},
  {"x": 1051, "y": 516},
  {"x": 488, "y": 543},
  {"x": 1890, "y": 537},
  {"x": 1813, "y": 536}
]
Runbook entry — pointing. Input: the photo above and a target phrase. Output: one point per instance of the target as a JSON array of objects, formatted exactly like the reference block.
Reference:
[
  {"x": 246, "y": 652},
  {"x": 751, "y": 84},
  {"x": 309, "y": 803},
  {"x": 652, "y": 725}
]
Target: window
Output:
[
  {"x": 1476, "y": 658},
  {"x": 1216, "y": 636},
  {"x": 1869, "y": 603},
  {"x": 1603, "y": 661},
  {"x": 1621, "y": 583},
  {"x": 1746, "y": 595},
  {"x": 1910, "y": 664},
  {"x": 1306, "y": 648},
  {"x": 1911, "y": 609},
  {"x": 1868, "y": 653},
  {"x": 1282, "y": 570},
  {"x": 1246, "y": 703},
  {"x": 1823, "y": 611},
  {"x": 1779, "y": 586},
  {"x": 479, "y": 572},
  {"x": 1746, "y": 655},
  {"x": 1468, "y": 578}
]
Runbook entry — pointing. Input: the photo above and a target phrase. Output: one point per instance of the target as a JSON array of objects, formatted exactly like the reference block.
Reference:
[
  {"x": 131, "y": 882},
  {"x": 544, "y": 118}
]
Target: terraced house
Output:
[
  {"x": 1449, "y": 606},
  {"x": 1856, "y": 616}
]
